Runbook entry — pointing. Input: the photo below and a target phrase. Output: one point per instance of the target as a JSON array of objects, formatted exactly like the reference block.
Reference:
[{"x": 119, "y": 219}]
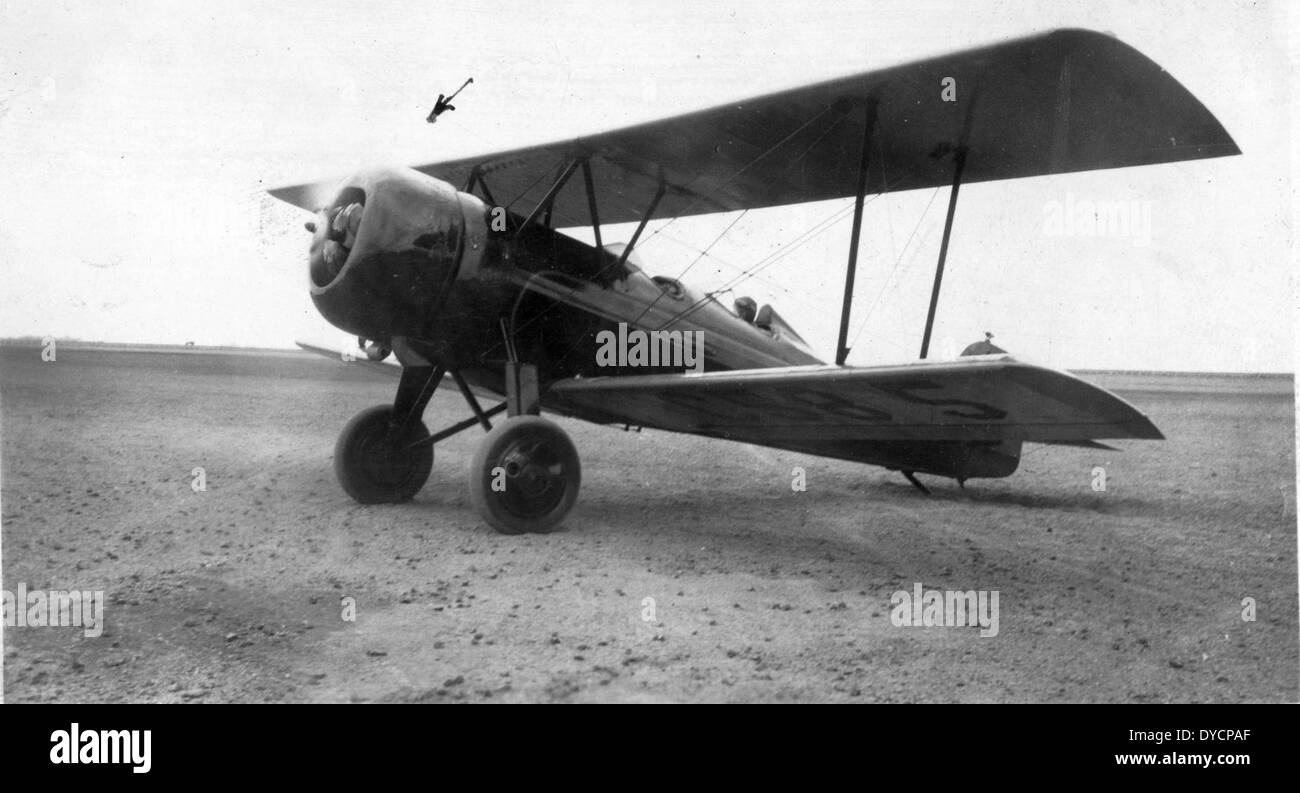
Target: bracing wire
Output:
[
  {"x": 894, "y": 269},
  {"x": 699, "y": 198},
  {"x": 771, "y": 259},
  {"x": 694, "y": 261}
]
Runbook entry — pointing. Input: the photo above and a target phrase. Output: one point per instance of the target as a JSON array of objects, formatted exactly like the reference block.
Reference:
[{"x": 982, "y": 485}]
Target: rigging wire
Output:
[
  {"x": 724, "y": 183},
  {"x": 691, "y": 205},
  {"x": 727, "y": 263},
  {"x": 787, "y": 294},
  {"x": 880, "y": 295},
  {"x": 771, "y": 259},
  {"x": 767, "y": 261},
  {"x": 703, "y": 253},
  {"x": 558, "y": 169}
]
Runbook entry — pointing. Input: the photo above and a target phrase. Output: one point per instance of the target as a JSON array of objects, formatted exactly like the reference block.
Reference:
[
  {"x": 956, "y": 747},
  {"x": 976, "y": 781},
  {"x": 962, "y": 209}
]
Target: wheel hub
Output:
[{"x": 532, "y": 470}]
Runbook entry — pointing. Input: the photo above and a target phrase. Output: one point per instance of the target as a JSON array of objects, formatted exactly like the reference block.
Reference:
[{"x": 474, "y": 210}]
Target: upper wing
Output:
[
  {"x": 979, "y": 398},
  {"x": 1069, "y": 100}
]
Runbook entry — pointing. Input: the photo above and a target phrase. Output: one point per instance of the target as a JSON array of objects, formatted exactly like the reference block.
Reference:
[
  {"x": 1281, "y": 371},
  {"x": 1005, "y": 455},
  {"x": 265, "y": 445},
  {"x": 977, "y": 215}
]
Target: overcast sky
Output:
[{"x": 136, "y": 139}]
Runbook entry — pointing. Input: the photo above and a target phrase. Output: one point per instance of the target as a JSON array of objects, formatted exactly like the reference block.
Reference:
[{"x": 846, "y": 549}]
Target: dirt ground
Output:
[{"x": 760, "y": 593}]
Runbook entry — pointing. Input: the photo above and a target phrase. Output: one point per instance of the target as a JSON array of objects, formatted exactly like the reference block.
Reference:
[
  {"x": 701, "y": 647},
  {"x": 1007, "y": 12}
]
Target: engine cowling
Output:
[{"x": 385, "y": 252}]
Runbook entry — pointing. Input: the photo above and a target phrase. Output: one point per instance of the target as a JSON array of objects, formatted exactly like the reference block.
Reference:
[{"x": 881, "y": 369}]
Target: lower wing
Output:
[{"x": 922, "y": 416}]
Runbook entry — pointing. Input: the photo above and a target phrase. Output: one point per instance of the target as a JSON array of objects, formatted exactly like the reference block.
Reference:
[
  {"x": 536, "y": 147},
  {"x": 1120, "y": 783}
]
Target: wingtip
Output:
[{"x": 1142, "y": 429}]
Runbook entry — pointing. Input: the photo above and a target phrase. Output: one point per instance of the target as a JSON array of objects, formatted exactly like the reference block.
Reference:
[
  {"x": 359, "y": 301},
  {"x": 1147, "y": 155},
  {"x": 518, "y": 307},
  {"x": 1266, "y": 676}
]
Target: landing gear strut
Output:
[{"x": 524, "y": 476}]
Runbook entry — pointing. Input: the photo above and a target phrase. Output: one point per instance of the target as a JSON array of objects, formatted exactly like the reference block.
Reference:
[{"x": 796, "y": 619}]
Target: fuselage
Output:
[{"x": 438, "y": 274}]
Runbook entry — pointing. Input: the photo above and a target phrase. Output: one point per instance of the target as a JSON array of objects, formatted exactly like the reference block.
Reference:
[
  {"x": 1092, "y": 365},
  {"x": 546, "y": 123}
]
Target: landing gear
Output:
[
  {"x": 524, "y": 476},
  {"x": 385, "y": 453},
  {"x": 911, "y": 477},
  {"x": 377, "y": 466}
]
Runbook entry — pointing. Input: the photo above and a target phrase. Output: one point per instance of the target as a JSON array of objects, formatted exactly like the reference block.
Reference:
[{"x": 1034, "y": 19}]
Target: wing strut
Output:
[
  {"x": 591, "y": 205},
  {"x": 958, "y": 167},
  {"x": 476, "y": 179},
  {"x": 841, "y": 349},
  {"x": 548, "y": 200},
  {"x": 649, "y": 212},
  {"x": 547, "y": 204}
]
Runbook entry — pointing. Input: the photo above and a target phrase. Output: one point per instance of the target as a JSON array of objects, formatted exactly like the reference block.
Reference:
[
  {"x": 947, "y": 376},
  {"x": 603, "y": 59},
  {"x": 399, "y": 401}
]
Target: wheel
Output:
[
  {"x": 372, "y": 470},
  {"x": 524, "y": 476}
]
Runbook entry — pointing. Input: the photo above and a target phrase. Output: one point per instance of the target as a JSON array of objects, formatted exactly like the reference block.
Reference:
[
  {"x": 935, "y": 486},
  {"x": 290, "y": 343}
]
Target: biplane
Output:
[{"x": 458, "y": 269}]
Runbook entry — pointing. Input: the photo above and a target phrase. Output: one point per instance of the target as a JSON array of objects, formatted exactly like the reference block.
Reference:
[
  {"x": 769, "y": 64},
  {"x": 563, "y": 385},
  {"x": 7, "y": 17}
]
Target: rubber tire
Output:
[
  {"x": 368, "y": 486},
  {"x": 496, "y": 507}
]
